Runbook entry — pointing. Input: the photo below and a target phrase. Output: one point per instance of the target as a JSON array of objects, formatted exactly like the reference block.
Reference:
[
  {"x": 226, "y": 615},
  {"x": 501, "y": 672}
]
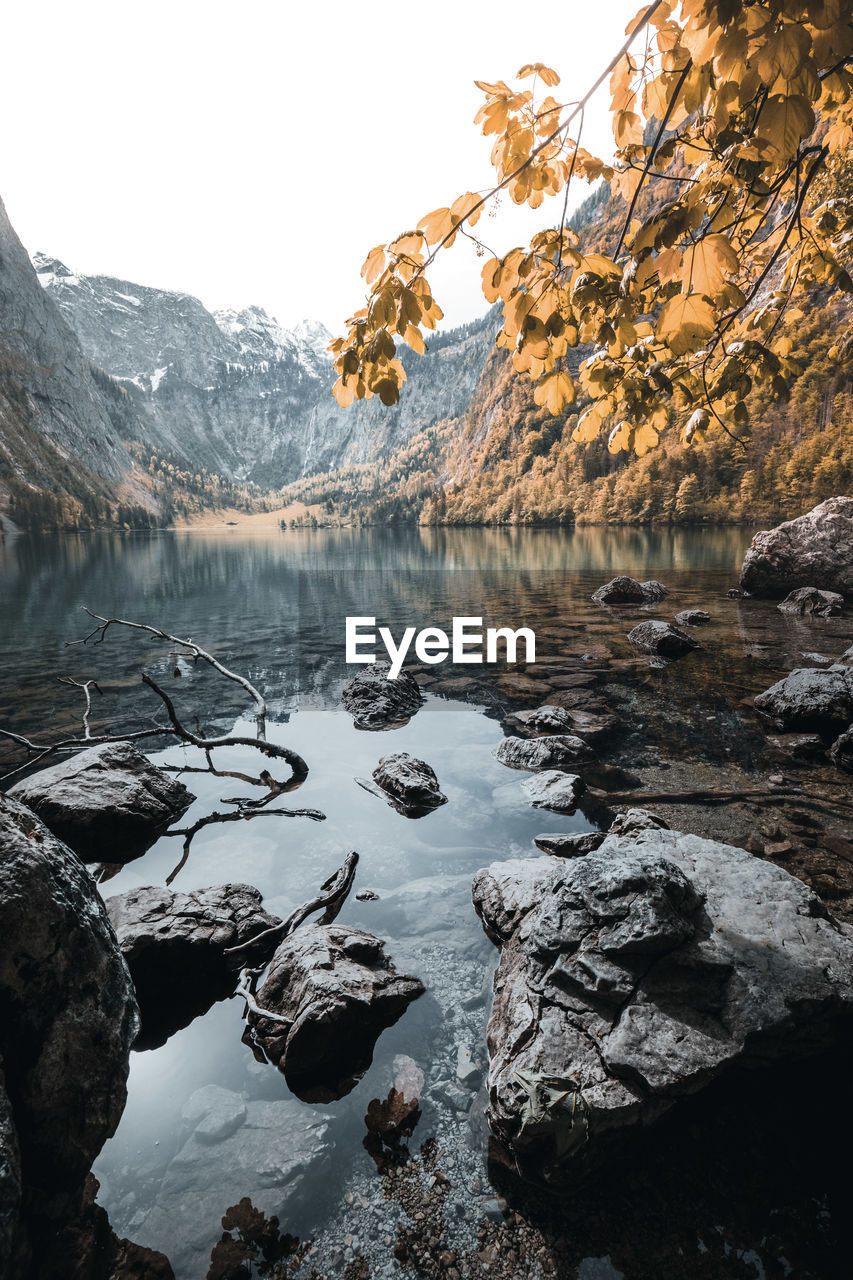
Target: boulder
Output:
[
  {"x": 624, "y": 590},
  {"x": 175, "y": 944},
  {"x": 636, "y": 820},
  {"x": 552, "y": 718},
  {"x": 557, "y": 752},
  {"x": 810, "y": 699},
  {"x": 822, "y": 604},
  {"x": 576, "y": 844},
  {"x": 376, "y": 702},
  {"x": 846, "y": 659},
  {"x": 411, "y": 784},
  {"x": 799, "y": 746},
  {"x": 10, "y": 1180},
  {"x": 841, "y": 751},
  {"x": 108, "y": 803},
  {"x": 662, "y": 639},
  {"x": 692, "y": 618},
  {"x": 68, "y": 1018},
  {"x": 815, "y": 550},
  {"x": 337, "y": 991},
  {"x": 638, "y": 974},
  {"x": 553, "y": 789}
]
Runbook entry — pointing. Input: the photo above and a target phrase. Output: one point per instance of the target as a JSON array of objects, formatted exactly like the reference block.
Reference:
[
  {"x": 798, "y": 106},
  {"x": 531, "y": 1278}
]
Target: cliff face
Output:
[
  {"x": 59, "y": 422},
  {"x": 235, "y": 392}
]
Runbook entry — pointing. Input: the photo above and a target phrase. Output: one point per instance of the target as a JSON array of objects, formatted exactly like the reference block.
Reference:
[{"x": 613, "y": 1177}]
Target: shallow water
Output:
[{"x": 272, "y": 605}]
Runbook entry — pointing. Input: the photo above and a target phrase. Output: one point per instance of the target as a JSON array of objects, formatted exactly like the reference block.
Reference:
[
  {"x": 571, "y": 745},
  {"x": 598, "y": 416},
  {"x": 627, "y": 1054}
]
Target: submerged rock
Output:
[
  {"x": 108, "y": 803},
  {"x": 841, "y": 751},
  {"x": 68, "y": 1021},
  {"x": 824, "y": 604},
  {"x": 175, "y": 944},
  {"x": 555, "y": 752},
  {"x": 337, "y": 991},
  {"x": 411, "y": 784},
  {"x": 692, "y": 618},
  {"x": 375, "y": 702},
  {"x": 624, "y": 590},
  {"x": 815, "y": 550},
  {"x": 661, "y": 638},
  {"x": 577, "y": 844},
  {"x": 553, "y": 789},
  {"x": 810, "y": 699},
  {"x": 638, "y": 974}
]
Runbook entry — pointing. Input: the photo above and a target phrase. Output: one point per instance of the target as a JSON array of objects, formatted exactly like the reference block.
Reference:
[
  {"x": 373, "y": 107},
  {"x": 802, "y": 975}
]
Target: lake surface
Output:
[{"x": 272, "y": 606}]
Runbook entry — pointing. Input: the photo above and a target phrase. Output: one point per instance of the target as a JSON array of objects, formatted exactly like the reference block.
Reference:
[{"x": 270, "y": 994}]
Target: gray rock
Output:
[
  {"x": 624, "y": 590},
  {"x": 410, "y": 782},
  {"x": 636, "y": 820},
  {"x": 376, "y": 702},
  {"x": 823, "y": 604},
  {"x": 453, "y": 1094},
  {"x": 10, "y": 1179},
  {"x": 212, "y": 1114},
  {"x": 841, "y": 751},
  {"x": 468, "y": 1071},
  {"x": 539, "y": 721},
  {"x": 553, "y": 789},
  {"x": 574, "y": 845},
  {"x": 166, "y": 935},
  {"x": 108, "y": 803},
  {"x": 799, "y": 746},
  {"x": 692, "y": 618},
  {"x": 661, "y": 638},
  {"x": 557, "y": 752},
  {"x": 281, "y": 1148},
  {"x": 815, "y": 550},
  {"x": 809, "y": 699},
  {"x": 338, "y": 991},
  {"x": 68, "y": 1020},
  {"x": 846, "y": 659},
  {"x": 638, "y": 974}
]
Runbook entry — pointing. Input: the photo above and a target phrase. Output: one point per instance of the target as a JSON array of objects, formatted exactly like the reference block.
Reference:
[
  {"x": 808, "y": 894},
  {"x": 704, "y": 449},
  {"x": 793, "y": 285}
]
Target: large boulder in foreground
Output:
[
  {"x": 624, "y": 590},
  {"x": 810, "y": 699},
  {"x": 638, "y": 974},
  {"x": 10, "y": 1179},
  {"x": 68, "y": 1018},
  {"x": 175, "y": 945},
  {"x": 815, "y": 550},
  {"x": 336, "y": 991},
  {"x": 376, "y": 702},
  {"x": 108, "y": 803}
]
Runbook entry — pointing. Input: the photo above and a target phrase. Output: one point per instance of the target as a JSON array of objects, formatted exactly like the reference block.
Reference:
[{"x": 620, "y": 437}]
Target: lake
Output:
[{"x": 272, "y": 605}]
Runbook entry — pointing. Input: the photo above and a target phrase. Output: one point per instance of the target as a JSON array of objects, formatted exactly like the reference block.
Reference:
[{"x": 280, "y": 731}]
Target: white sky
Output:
[{"x": 253, "y": 152}]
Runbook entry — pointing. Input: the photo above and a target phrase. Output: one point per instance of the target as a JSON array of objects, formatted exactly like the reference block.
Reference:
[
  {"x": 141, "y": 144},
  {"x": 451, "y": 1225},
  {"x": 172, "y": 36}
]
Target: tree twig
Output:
[{"x": 333, "y": 893}]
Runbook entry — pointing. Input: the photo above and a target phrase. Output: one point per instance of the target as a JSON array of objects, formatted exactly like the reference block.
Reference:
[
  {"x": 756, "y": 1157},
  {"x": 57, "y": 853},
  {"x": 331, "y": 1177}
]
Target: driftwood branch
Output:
[
  {"x": 332, "y": 896},
  {"x": 190, "y": 648},
  {"x": 211, "y": 819}
]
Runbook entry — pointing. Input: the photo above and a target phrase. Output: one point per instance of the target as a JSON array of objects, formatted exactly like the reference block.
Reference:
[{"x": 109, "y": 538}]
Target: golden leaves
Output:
[
  {"x": 784, "y": 121},
  {"x": 554, "y": 392},
  {"x": 707, "y": 264},
  {"x": 686, "y": 322},
  {"x": 545, "y": 74}
]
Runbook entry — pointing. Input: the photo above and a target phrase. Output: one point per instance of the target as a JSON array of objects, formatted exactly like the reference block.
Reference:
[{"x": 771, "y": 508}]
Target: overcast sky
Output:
[{"x": 252, "y": 152}]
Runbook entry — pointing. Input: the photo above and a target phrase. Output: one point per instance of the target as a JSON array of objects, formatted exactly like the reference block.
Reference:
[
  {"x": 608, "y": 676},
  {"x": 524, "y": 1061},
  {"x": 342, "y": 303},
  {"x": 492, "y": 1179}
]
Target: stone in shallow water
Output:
[
  {"x": 841, "y": 752},
  {"x": 810, "y": 699},
  {"x": 555, "y": 790},
  {"x": 213, "y": 1113},
  {"x": 175, "y": 944},
  {"x": 575, "y": 844},
  {"x": 625, "y": 590},
  {"x": 662, "y": 639},
  {"x": 638, "y": 974},
  {"x": 375, "y": 702},
  {"x": 559, "y": 751},
  {"x": 338, "y": 992},
  {"x": 815, "y": 550},
  {"x": 108, "y": 803},
  {"x": 823, "y": 604},
  {"x": 412, "y": 783},
  {"x": 692, "y": 618}
]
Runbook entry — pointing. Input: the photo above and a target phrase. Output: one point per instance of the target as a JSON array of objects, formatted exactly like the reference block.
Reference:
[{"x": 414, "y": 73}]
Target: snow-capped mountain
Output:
[{"x": 235, "y": 391}]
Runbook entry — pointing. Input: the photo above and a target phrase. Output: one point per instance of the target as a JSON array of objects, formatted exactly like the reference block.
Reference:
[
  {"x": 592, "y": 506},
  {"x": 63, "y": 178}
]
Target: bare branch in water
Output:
[{"x": 240, "y": 815}]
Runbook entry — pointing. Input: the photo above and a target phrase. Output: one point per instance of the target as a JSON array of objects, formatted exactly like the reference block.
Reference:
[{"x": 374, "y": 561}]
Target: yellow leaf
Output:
[
  {"x": 627, "y": 129},
  {"x": 374, "y": 264},
  {"x": 645, "y": 438},
  {"x": 414, "y": 340},
  {"x": 707, "y": 263},
  {"x": 464, "y": 208},
  {"x": 545, "y": 74},
  {"x": 554, "y": 392},
  {"x": 784, "y": 122},
  {"x": 685, "y": 322},
  {"x": 436, "y": 225},
  {"x": 784, "y": 53},
  {"x": 588, "y": 427},
  {"x": 620, "y": 438}
]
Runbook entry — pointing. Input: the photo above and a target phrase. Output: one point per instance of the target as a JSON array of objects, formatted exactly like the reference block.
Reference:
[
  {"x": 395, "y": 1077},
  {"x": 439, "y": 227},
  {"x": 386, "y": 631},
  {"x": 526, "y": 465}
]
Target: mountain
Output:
[
  {"x": 236, "y": 393},
  {"x": 61, "y": 421}
]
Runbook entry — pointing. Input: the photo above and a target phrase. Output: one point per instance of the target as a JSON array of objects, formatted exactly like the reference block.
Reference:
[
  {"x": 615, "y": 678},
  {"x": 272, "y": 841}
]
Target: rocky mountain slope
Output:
[
  {"x": 61, "y": 422},
  {"x": 234, "y": 392}
]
